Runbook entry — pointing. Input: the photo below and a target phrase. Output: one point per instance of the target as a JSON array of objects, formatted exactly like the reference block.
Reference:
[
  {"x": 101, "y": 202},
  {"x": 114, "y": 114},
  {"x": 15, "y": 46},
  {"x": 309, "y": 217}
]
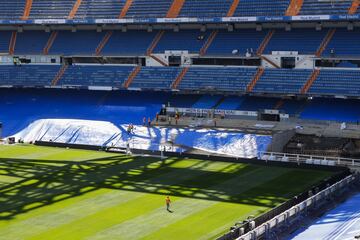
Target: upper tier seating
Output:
[
  {"x": 245, "y": 39},
  {"x": 149, "y": 9},
  {"x": 31, "y": 42},
  {"x": 128, "y": 43},
  {"x": 95, "y": 75},
  {"x": 220, "y": 79},
  {"x": 5, "y": 37},
  {"x": 282, "y": 81},
  {"x": 28, "y": 75},
  {"x": 304, "y": 41},
  {"x": 100, "y": 9},
  {"x": 11, "y": 9},
  {"x": 51, "y": 9},
  {"x": 337, "y": 82},
  {"x": 77, "y": 43},
  {"x": 205, "y": 8},
  {"x": 187, "y": 40},
  {"x": 344, "y": 44},
  {"x": 320, "y": 7},
  {"x": 262, "y": 8},
  {"x": 155, "y": 77},
  {"x": 111, "y": 9}
]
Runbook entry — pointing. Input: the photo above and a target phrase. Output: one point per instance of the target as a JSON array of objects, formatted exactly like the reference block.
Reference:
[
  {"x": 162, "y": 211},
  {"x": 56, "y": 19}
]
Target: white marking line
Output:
[
  {"x": 352, "y": 232},
  {"x": 348, "y": 226}
]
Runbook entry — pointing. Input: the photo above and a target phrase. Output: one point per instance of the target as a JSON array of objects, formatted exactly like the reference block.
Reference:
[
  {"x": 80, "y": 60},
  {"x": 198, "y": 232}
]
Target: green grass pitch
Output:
[{"x": 54, "y": 193}]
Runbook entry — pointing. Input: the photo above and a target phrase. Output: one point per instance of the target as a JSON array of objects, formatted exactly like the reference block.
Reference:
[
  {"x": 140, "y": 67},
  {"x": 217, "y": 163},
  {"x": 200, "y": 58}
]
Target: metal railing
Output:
[
  {"x": 309, "y": 159},
  {"x": 266, "y": 229}
]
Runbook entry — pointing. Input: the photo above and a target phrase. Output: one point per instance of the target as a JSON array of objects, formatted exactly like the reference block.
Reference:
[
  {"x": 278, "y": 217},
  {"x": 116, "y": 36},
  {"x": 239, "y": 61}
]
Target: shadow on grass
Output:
[{"x": 44, "y": 182}]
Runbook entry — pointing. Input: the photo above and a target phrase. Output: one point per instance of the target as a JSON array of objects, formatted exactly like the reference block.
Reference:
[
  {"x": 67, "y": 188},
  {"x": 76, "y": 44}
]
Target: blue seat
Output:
[
  {"x": 28, "y": 75},
  {"x": 51, "y": 9},
  {"x": 31, "y": 42},
  {"x": 262, "y": 8},
  {"x": 95, "y": 75},
  {"x": 185, "y": 40},
  {"x": 5, "y": 37},
  {"x": 12, "y": 10},
  {"x": 155, "y": 77},
  {"x": 76, "y": 43},
  {"x": 128, "y": 43},
  {"x": 304, "y": 41},
  {"x": 205, "y": 8},
  {"x": 149, "y": 9},
  {"x": 337, "y": 82},
  {"x": 99, "y": 9},
  {"x": 316, "y": 7},
  {"x": 285, "y": 81},
  {"x": 217, "y": 78},
  {"x": 342, "y": 43}
]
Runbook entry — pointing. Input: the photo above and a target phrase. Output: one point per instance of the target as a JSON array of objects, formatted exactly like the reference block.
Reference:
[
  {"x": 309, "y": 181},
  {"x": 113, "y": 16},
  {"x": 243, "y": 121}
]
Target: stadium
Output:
[{"x": 180, "y": 119}]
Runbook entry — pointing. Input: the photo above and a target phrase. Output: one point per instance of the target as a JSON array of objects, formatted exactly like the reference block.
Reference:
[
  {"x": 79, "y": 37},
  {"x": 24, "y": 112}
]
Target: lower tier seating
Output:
[
  {"x": 155, "y": 77},
  {"x": 28, "y": 75},
  {"x": 219, "y": 79},
  {"x": 337, "y": 82},
  {"x": 282, "y": 81},
  {"x": 88, "y": 75},
  {"x": 212, "y": 79}
]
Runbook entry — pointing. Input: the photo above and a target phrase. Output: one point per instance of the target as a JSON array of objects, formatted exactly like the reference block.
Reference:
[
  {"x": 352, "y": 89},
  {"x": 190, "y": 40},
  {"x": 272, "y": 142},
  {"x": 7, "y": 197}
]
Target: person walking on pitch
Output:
[{"x": 168, "y": 201}]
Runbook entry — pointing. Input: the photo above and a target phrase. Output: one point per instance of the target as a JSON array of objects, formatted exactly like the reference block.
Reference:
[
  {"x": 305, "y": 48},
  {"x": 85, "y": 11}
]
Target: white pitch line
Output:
[{"x": 348, "y": 226}]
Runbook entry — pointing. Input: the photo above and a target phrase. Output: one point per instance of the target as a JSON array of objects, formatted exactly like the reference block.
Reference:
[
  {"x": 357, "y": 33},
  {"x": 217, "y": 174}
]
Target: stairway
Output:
[
  {"x": 178, "y": 79},
  {"x": 325, "y": 42},
  {"x": 132, "y": 76},
  {"x": 269, "y": 61},
  {"x": 310, "y": 81},
  {"x": 103, "y": 43},
  {"x": 265, "y": 42},
  {"x": 125, "y": 8},
  {"x": 354, "y": 7},
  {"x": 208, "y": 42},
  {"x": 74, "y": 9},
  {"x": 233, "y": 8},
  {"x": 159, "y": 60},
  {"x": 50, "y": 42},
  {"x": 27, "y": 10},
  {"x": 256, "y": 78},
  {"x": 59, "y": 75},
  {"x": 12, "y": 43},
  {"x": 175, "y": 9},
  {"x": 294, "y": 7},
  {"x": 279, "y": 104},
  {"x": 154, "y": 42}
]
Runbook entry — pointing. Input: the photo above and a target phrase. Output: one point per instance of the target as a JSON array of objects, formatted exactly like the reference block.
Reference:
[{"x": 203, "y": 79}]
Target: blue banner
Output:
[{"x": 309, "y": 18}]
